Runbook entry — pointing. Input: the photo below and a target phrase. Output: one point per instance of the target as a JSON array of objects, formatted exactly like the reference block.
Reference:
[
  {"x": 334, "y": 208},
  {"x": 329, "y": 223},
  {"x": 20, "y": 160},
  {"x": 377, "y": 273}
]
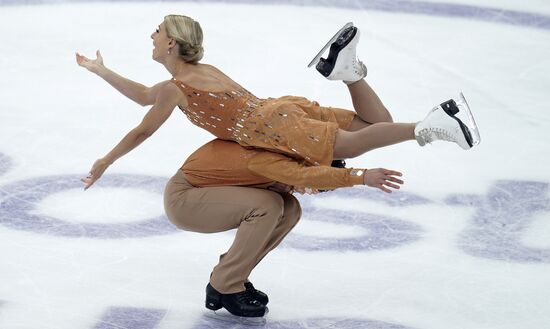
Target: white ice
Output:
[{"x": 476, "y": 251}]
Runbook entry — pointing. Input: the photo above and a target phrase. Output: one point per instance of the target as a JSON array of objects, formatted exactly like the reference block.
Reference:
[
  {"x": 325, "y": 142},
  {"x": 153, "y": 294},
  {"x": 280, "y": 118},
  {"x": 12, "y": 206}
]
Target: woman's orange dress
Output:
[{"x": 290, "y": 125}]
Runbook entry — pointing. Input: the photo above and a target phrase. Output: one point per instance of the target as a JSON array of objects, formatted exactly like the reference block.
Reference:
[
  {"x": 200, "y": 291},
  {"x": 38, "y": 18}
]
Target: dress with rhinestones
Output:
[{"x": 290, "y": 125}]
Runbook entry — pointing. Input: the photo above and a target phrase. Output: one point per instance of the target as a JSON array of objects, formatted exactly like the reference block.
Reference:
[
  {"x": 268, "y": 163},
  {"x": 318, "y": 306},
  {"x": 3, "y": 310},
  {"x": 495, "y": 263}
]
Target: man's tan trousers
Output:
[{"x": 262, "y": 218}]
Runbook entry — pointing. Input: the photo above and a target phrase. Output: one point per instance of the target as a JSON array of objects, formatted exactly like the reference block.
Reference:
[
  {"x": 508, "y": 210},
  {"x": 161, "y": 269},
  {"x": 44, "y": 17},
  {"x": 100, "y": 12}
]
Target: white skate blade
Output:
[
  {"x": 317, "y": 57},
  {"x": 468, "y": 120},
  {"x": 227, "y": 320}
]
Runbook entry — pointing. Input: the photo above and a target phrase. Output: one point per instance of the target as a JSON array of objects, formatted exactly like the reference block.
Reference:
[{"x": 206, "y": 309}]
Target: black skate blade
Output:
[
  {"x": 317, "y": 57},
  {"x": 223, "y": 319}
]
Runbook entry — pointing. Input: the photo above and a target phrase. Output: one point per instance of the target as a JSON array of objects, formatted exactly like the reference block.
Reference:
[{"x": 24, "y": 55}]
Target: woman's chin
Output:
[{"x": 154, "y": 57}]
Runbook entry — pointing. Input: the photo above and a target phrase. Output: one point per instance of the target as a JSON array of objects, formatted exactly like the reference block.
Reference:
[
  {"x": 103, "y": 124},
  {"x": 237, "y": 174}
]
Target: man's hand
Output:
[{"x": 382, "y": 179}]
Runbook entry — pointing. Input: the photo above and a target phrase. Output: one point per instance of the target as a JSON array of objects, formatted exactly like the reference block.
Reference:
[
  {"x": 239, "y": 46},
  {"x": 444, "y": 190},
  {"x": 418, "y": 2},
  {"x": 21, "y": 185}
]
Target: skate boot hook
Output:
[
  {"x": 341, "y": 63},
  {"x": 443, "y": 123}
]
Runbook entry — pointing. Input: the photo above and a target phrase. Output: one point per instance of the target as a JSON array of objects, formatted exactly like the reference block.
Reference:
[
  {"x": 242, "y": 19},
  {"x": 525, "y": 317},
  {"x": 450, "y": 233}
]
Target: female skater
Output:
[{"x": 290, "y": 125}]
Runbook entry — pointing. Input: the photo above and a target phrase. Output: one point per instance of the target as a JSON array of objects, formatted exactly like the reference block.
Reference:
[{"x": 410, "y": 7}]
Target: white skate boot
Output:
[
  {"x": 341, "y": 63},
  {"x": 441, "y": 123}
]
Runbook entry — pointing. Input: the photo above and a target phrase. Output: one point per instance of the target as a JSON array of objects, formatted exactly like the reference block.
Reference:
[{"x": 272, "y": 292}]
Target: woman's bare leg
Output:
[
  {"x": 350, "y": 144},
  {"x": 367, "y": 104}
]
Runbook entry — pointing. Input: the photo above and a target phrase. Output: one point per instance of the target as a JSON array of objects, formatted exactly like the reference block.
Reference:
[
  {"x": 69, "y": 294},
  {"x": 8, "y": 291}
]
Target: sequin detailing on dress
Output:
[
  {"x": 290, "y": 125},
  {"x": 221, "y": 113}
]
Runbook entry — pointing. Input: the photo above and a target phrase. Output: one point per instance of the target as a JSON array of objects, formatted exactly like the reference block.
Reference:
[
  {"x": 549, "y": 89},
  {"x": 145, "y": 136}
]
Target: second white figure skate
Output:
[
  {"x": 341, "y": 63},
  {"x": 443, "y": 123}
]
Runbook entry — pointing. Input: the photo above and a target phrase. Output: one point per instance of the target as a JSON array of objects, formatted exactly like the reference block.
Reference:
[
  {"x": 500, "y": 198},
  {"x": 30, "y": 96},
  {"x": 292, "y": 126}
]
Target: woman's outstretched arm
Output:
[
  {"x": 135, "y": 91},
  {"x": 168, "y": 98}
]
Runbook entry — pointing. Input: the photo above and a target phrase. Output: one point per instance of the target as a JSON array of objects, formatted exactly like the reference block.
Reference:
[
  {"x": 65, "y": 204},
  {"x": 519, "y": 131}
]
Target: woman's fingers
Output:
[{"x": 88, "y": 181}]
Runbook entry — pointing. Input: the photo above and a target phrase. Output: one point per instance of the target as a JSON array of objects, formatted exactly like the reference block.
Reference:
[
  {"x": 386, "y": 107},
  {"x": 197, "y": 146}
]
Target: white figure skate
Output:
[
  {"x": 442, "y": 123},
  {"x": 341, "y": 63}
]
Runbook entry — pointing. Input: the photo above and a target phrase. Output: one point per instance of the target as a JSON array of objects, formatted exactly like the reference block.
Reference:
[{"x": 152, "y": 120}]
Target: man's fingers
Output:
[
  {"x": 392, "y": 172},
  {"x": 395, "y": 186},
  {"x": 393, "y": 179},
  {"x": 384, "y": 189}
]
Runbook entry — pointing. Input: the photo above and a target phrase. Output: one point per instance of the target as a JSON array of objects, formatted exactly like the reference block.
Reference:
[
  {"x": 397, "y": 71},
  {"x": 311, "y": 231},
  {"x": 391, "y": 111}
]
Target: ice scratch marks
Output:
[
  {"x": 131, "y": 318},
  {"x": 501, "y": 218}
]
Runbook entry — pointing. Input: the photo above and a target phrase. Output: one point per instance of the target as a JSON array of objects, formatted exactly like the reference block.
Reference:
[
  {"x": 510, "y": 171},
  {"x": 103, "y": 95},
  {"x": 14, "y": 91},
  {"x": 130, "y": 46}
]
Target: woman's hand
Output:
[
  {"x": 97, "y": 170},
  {"x": 92, "y": 65},
  {"x": 382, "y": 179}
]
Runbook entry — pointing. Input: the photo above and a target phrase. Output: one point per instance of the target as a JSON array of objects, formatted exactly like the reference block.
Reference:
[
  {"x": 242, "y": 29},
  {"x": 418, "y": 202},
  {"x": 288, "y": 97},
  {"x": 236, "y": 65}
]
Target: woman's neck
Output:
[{"x": 177, "y": 66}]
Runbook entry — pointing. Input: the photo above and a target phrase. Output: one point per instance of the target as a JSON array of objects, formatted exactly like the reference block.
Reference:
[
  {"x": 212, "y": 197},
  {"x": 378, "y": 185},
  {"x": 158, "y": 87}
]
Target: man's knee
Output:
[
  {"x": 268, "y": 205},
  {"x": 293, "y": 210}
]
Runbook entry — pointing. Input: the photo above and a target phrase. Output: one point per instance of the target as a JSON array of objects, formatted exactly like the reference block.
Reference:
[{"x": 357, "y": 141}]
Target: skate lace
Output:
[
  {"x": 359, "y": 67},
  {"x": 431, "y": 134},
  {"x": 246, "y": 297}
]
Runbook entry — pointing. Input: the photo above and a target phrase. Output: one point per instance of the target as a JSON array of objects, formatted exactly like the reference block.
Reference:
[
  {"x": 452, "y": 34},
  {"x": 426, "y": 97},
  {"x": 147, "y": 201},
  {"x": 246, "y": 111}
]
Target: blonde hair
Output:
[{"x": 188, "y": 34}]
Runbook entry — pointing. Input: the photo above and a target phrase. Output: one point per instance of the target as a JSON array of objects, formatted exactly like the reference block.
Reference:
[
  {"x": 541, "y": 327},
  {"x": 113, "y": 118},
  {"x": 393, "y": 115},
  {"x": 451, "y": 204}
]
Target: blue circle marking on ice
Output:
[
  {"x": 131, "y": 317},
  {"x": 500, "y": 219},
  {"x": 20, "y": 199},
  {"x": 451, "y": 10},
  {"x": 381, "y": 232},
  {"x": 208, "y": 322}
]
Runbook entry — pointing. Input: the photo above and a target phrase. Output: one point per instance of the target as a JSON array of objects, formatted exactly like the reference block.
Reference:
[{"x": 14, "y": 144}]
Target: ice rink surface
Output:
[{"x": 465, "y": 244}]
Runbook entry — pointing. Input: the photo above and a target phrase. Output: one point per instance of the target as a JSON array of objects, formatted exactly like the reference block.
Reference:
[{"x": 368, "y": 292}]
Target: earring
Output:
[{"x": 168, "y": 51}]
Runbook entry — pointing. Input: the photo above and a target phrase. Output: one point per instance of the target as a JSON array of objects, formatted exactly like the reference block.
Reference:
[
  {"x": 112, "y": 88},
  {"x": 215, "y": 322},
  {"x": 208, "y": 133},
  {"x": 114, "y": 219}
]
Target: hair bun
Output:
[
  {"x": 191, "y": 53},
  {"x": 188, "y": 34}
]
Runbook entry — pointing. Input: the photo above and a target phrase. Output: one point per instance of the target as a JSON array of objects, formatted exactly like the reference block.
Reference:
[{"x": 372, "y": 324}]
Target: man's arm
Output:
[{"x": 286, "y": 170}]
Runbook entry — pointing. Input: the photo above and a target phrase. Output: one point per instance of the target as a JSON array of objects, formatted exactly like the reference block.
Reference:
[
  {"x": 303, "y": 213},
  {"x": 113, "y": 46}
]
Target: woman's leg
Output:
[
  {"x": 350, "y": 144},
  {"x": 367, "y": 104}
]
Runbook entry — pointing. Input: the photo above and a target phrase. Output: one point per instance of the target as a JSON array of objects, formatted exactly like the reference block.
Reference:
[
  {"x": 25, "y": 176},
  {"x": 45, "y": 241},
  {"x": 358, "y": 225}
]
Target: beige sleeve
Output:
[{"x": 289, "y": 171}]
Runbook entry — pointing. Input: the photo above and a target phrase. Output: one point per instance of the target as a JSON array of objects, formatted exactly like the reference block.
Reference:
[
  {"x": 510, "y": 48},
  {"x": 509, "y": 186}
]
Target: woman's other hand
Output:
[{"x": 97, "y": 170}]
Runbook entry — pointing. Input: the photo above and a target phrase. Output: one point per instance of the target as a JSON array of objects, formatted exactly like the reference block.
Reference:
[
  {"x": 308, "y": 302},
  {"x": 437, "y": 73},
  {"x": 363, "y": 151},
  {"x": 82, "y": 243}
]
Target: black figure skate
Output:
[
  {"x": 256, "y": 294},
  {"x": 341, "y": 63},
  {"x": 243, "y": 307}
]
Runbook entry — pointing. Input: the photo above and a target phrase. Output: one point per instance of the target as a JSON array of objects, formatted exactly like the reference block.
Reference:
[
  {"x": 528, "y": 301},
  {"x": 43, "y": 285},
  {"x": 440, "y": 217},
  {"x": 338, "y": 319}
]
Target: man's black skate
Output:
[
  {"x": 335, "y": 164},
  {"x": 242, "y": 304},
  {"x": 338, "y": 164},
  {"x": 257, "y": 294},
  {"x": 326, "y": 66}
]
